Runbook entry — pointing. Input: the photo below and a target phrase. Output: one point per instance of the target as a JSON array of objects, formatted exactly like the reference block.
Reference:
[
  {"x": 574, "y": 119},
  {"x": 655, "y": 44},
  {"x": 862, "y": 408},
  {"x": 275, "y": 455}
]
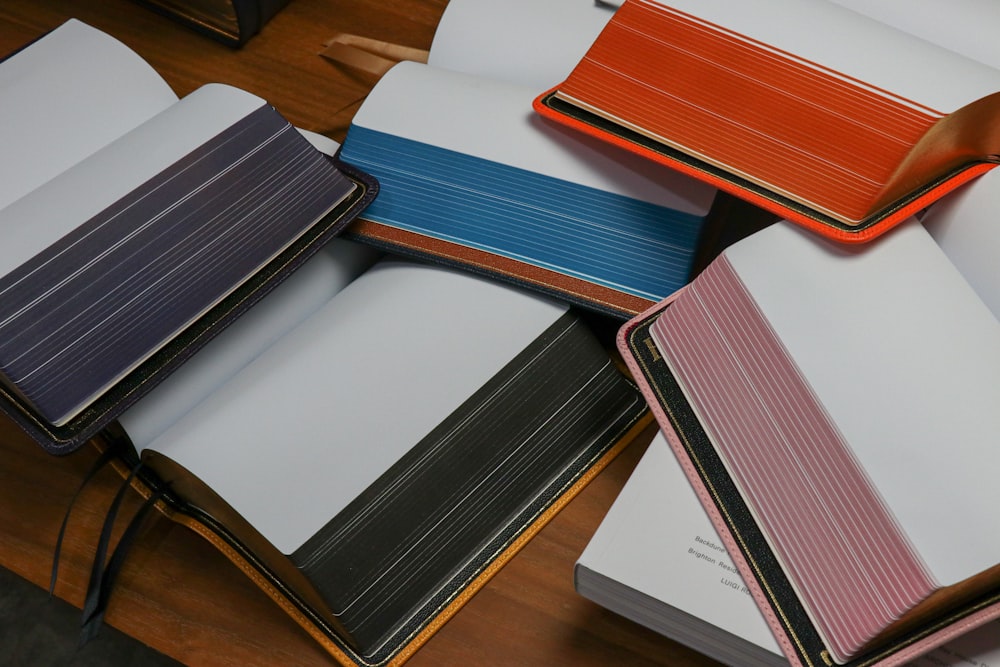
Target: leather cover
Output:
[
  {"x": 568, "y": 288},
  {"x": 67, "y": 438},
  {"x": 272, "y": 572},
  {"x": 757, "y": 564}
]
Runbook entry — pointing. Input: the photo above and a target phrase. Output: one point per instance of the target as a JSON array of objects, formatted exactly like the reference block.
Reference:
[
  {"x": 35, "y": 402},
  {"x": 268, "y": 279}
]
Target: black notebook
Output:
[{"x": 388, "y": 438}]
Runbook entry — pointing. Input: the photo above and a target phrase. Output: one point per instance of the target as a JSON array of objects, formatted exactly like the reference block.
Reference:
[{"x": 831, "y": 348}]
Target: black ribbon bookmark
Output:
[
  {"x": 103, "y": 576},
  {"x": 106, "y": 456}
]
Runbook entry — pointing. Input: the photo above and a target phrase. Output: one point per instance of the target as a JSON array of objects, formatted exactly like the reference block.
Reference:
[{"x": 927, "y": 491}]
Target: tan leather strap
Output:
[{"x": 368, "y": 55}]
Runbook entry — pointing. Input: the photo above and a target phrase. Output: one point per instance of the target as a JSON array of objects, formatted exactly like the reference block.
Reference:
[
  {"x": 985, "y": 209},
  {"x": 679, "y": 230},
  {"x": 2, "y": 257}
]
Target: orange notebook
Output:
[{"x": 812, "y": 111}]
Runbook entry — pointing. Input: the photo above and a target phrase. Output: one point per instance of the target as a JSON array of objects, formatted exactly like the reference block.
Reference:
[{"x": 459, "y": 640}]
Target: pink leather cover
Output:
[{"x": 792, "y": 649}]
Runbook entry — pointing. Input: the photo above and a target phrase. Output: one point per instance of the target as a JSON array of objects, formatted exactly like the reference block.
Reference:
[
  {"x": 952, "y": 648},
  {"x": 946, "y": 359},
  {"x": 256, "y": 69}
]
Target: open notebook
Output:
[
  {"x": 835, "y": 408},
  {"x": 470, "y": 176},
  {"x": 962, "y": 26},
  {"x": 657, "y": 559},
  {"x": 134, "y": 225},
  {"x": 372, "y": 442},
  {"x": 808, "y": 109}
]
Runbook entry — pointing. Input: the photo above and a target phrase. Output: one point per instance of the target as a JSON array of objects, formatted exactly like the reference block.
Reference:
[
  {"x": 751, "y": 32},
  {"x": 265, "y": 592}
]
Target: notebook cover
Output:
[
  {"x": 487, "y": 563},
  {"x": 251, "y": 15},
  {"x": 770, "y": 588},
  {"x": 557, "y": 110},
  {"x": 568, "y": 288},
  {"x": 65, "y": 439}
]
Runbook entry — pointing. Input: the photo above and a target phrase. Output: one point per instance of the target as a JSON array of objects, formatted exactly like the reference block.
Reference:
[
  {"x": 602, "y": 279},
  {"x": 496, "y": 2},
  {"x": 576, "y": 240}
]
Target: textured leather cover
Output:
[
  {"x": 67, "y": 438},
  {"x": 568, "y": 288},
  {"x": 245, "y": 553},
  {"x": 750, "y": 552}
]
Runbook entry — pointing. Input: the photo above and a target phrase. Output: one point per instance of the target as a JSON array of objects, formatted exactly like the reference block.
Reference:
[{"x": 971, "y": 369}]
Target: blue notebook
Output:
[{"x": 469, "y": 176}]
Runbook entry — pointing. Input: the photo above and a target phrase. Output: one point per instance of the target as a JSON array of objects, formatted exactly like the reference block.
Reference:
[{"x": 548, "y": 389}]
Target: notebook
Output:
[
  {"x": 794, "y": 369},
  {"x": 470, "y": 177},
  {"x": 657, "y": 559},
  {"x": 805, "y": 109}
]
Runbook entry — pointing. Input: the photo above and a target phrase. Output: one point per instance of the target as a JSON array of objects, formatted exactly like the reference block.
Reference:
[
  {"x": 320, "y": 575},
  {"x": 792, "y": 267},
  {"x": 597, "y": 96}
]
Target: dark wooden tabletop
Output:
[{"x": 176, "y": 593}]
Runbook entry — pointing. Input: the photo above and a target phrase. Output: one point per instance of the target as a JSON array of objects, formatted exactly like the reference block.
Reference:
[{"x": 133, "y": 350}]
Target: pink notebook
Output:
[{"x": 833, "y": 408}]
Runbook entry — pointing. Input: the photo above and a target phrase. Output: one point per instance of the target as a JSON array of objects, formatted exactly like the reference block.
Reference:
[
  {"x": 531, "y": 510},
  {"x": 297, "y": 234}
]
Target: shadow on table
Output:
[{"x": 36, "y": 631}]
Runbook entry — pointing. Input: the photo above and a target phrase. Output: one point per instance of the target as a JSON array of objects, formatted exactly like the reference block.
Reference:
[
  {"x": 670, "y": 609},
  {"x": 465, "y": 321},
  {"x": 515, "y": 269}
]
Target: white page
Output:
[
  {"x": 295, "y": 299},
  {"x": 965, "y": 225},
  {"x": 855, "y": 45},
  {"x": 532, "y": 43},
  {"x": 964, "y": 26},
  {"x": 657, "y": 539},
  {"x": 320, "y": 142},
  {"x": 904, "y": 356},
  {"x": 494, "y": 121},
  {"x": 63, "y": 97},
  {"x": 332, "y": 268},
  {"x": 300, "y": 295},
  {"x": 314, "y": 420},
  {"x": 58, "y": 206}
]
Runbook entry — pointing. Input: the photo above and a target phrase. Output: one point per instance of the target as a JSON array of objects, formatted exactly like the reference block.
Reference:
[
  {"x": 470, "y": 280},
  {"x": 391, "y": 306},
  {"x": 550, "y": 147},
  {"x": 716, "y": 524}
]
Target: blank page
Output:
[
  {"x": 964, "y": 224},
  {"x": 291, "y": 302},
  {"x": 66, "y": 95},
  {"x": 313, "y": 421},
  {"x": 532, "y": 43},
  {"x": 904, "y": 357}
]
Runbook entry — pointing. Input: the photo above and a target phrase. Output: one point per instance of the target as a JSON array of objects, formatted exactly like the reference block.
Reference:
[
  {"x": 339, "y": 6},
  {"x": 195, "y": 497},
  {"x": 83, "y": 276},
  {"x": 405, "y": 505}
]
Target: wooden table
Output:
[{"x": 176, "y": 593}]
